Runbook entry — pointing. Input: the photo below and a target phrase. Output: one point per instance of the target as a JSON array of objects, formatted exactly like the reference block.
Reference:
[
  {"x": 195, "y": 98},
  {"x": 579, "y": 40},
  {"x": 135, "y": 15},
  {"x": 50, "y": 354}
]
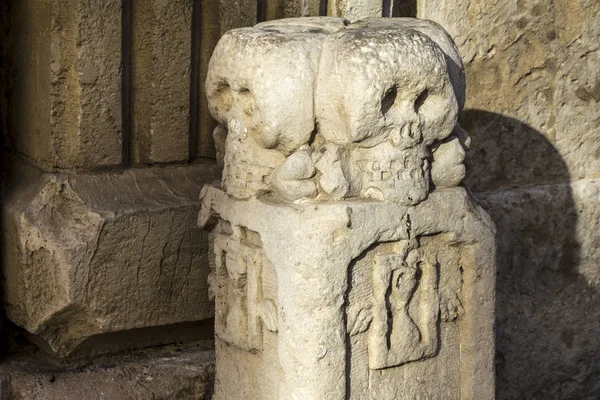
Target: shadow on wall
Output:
[
  {"x": 547, "y": 315},
  {"x": 5, "y": 91}
]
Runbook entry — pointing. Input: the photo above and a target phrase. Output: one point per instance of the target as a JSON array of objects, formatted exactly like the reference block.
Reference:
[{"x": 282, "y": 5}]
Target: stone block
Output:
[
  {"x": 533, "y": 116},
  {"x": 161, "y": 65},
  {"x": 548, "y": 309},
  {"x": 92, "y": 254},
  {"x": 210, "y": 32},
  {"x": 306, "y": 312},
  {"x": 277, "y": 9},
  {"x": 67, "y": 61}
]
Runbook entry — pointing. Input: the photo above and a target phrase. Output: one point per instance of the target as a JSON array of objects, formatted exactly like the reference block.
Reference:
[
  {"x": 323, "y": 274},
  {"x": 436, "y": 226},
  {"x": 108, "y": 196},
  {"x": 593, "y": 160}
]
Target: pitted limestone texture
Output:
[
  {"x": 346, "y": 260},
  {"x": 317, "y": 108},
  {"x": 103, "y": 253}
]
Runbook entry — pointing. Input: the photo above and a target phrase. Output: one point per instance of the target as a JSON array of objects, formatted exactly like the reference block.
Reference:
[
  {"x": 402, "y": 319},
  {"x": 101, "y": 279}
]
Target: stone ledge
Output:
[
  {"x": 101, "y": 253},
  {"x": 160, "y": 373}
]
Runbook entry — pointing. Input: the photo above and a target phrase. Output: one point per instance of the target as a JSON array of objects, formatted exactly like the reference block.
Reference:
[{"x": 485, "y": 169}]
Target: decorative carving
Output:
[
  {"x": 397, "y": 336},
  {"x": 268, "y": 314},
  {"x": 374, "y": 141},
  {"x": 447, "y": 168},
  {"x": 293, "y": 179},
  {"x": 341, "y": 155},
  {"x": 387, "y": 113},
  {"x": 260, "y": 85},
  {"x": 451, "y": 307},
  {"x": 236, "y": 286},
  {"x": 360, "y": 316}
]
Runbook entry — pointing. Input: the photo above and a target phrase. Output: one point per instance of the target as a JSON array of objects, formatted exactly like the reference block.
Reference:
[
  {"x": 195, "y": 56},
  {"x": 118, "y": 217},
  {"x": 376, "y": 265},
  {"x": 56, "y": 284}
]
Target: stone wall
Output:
[
  {"x": 111, "y": 141},
  {"x": 533, "y": 114},
  {"x": 108, "y": 143},
  {"x": 98, "y": 217}
]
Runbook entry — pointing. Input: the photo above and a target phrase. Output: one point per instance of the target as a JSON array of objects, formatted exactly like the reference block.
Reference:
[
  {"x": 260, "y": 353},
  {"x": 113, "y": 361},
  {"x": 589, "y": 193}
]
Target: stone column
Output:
[{"x": 347, "y": 262}]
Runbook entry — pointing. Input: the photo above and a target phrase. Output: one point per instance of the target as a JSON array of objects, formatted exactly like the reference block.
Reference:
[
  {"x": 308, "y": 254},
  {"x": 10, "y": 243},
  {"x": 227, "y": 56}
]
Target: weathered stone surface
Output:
[
  {"x": 67, "y": 58},
  {"x": 5, "y": 71},
  {"x": 277, "y": 9},
  {"x": 235, "y": 14},
  {"x": 355, "y": 9},
  {"x": 533, "y": 115},
  {"x": 537, "y": 63},
  {"x": 305, "y": 276},
  {"x": 161, "y": 64},
  {"x": 104, "y": 253},
  {"x": 373, "y": 141},
  {"x": 548, "y": 309},
  {"x": 338, "y": 271},
  {"x": 436, "y": 33},
  {"x": 161, "y": 374}
]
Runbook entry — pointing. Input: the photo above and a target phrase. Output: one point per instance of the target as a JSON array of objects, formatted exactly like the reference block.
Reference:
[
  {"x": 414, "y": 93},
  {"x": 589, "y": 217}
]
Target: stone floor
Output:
[{"x": 161, "y": 373}]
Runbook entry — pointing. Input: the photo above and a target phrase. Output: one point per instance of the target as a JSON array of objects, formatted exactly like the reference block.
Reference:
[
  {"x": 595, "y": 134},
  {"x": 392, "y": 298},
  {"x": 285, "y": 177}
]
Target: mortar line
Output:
[
  {"x": 126, "y": 83},
  {"x": 261, "y": 11},
  {"x": 194, "y": 111},
  {"x": 386, "y": 8},
  {"x": 323, "y": 4}
]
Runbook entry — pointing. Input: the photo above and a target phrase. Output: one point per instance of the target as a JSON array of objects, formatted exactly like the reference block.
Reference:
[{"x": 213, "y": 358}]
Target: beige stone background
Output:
[
  {"x": 107, "y": 142},
  {"x": 533, "y": 80}
]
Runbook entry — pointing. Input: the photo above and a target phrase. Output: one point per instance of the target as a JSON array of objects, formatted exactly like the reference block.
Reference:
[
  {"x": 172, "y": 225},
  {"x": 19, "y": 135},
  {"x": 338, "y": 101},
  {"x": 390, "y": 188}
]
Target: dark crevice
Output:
[
  {"x": 313, "y": 134},
  {"x": 386, "y": 8},
  {"x": 389, "y": 99},
  {"x": 399, "y": 8},
  {"x": 348, "y": 338},
  {"x": 261, "y": 11},
  {"x": 194, "y": 128},
  {"x": 404, "y": 8},
  {"x": 126, "y": 82},
  {"x": 323, "y": 4},
  {"x": 421, "y": 100}
]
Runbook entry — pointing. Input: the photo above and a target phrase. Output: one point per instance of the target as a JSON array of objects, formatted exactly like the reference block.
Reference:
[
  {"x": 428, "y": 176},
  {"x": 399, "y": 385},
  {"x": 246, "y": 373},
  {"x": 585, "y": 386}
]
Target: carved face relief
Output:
[
  {"x": 247, "y": 165},
  {"x": 388, "y": 99},
  {"x": 260, "y": 86},
  {"x": 447, "y": 169},
  {"x": 383, "y": 172},
  {"x": 436, "y": 33}
]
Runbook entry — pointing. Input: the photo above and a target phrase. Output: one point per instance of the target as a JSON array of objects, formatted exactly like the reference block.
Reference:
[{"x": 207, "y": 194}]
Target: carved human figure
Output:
[
  {"x": 398, "y": 337},
  {"x": 403, "y": 285},
  {"x": 237, "y": 314}
]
